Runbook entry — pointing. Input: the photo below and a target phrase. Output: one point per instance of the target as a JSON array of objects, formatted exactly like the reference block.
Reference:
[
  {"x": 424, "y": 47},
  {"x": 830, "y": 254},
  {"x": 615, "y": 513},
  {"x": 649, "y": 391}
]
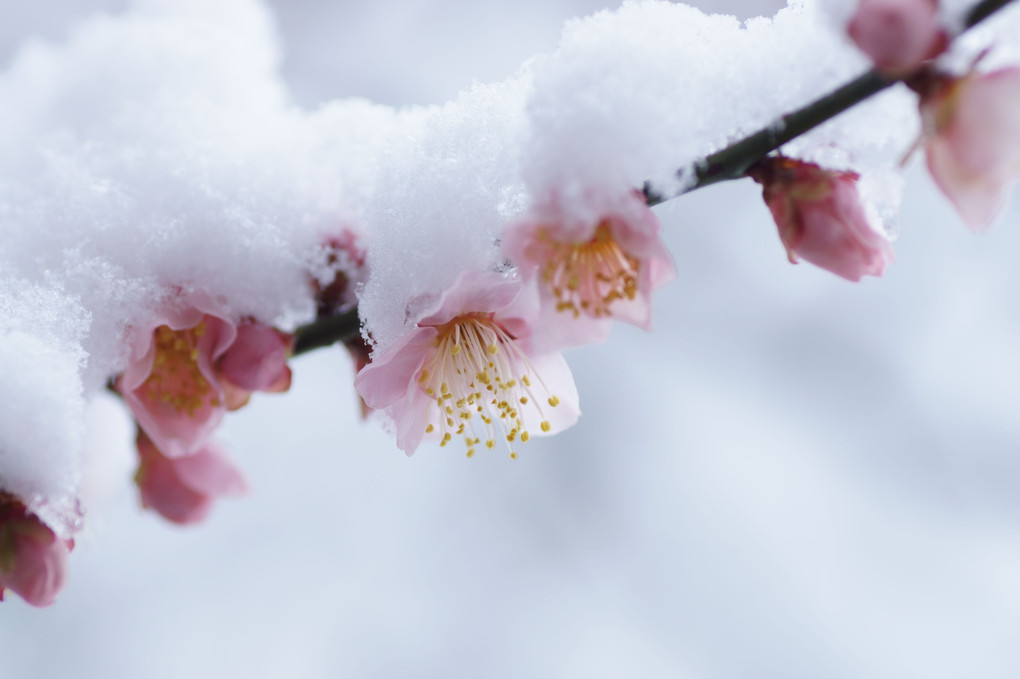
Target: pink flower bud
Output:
[
  {"x": 33, "y": 560},
  {"x": 972, "y": 140},
  {"x": 898, "y": 35},
  {"x": 183, "y": 489},
  {"x": 257, "y": 360},
  {"x": 821, "y": 218}
]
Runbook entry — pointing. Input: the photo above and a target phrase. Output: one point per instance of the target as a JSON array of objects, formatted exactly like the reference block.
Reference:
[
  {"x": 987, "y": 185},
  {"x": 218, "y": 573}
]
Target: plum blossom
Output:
[
  {"x": 898, "y": 35},
  {"x": 189, "y": 365},
  {"x": 171, "y": 384},
  {"x": 821, "y": 218},
  {"x": 597, "y": 259},
  {"x": 33, "y": 560},
  {"x": 183, "y": 489},
  {"x": 468, "y": 369},
  {"x": 972, "y": 140}
]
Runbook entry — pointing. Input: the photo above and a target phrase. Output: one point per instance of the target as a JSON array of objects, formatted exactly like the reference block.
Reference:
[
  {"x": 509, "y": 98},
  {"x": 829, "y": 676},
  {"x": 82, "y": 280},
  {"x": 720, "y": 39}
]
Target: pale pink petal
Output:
[
  {"x": 385, "y": 380},
  {"x": 184, "y": 489},
  {"x": 973, "y": 152},
  {"x": 473, "y": 291},
  {"x": 898, "y": 35},
  {"x": 411, "y": 418},
  {"x": 555, "y": 380},
  {"x": 210, "y": 471},
  {"x": 177, "y": 433},
  {"x": 977, "y": 197},
  {"x": 257, "y": 359},
  {"x": 553, "y": 333}
]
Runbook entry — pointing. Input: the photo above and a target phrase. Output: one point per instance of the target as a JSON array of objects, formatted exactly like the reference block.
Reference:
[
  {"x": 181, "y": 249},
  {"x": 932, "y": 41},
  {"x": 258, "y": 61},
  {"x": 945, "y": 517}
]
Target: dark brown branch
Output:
[
  {"x": 735, "y": 160},
  {"x": 325, "y": 331}
]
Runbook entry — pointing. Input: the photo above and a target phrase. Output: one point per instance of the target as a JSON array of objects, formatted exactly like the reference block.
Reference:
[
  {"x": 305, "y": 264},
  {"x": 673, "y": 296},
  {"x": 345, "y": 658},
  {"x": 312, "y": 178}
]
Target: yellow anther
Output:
[
  {"x": 524, "y": 400},
  {"x": 546, "y": 426},
  {"x": 490, "y": 444},
  {"x": 429, "y": 429},
  {"x": 455, "y": 349},
  {"x": 513, "y": 455},
  {"x": 424, "y": 376},
  {"x": 471, "y": 452},
  {"x": 525, "y": 437},
  {"x": 554, "y": 401}
]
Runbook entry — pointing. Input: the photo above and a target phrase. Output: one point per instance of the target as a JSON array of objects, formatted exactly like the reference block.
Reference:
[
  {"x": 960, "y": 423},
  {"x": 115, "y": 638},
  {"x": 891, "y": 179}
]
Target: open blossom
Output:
[
  {"x": 898, "y": 35},
  {"x": 468, "y": 370},
  {"x": 972, "y": 140},
  {"x": 33, "y": 560},
  {"x": 183, "y": 489},
  {"x": 595, "y": 261},
  {"x": 821, "y": 218},
  {"x": 190, "y": 365}
]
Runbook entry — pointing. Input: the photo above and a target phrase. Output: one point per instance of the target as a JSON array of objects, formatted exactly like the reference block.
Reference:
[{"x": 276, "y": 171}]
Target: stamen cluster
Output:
[
  {"x": 478, "y": 370},
  {"x": 176, "y": 378},
  {"x": 588, "y": 277}
]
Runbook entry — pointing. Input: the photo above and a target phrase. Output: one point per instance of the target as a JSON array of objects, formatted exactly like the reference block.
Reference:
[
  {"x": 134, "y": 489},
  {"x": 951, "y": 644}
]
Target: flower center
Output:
[
  {"x": 589, "y": 277},
  {"x": 176, "y": 379},
  {"x": 477, "y": 369}
]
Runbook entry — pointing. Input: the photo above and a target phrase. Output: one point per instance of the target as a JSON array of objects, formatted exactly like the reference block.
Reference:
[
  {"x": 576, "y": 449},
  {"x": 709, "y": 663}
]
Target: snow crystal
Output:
[{"x": 41, "y": 421}]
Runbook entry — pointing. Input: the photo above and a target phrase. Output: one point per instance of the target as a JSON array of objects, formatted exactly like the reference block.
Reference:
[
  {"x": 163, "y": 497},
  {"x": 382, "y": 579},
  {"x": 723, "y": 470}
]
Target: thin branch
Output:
[
  {"x": 732, "y": 162},
  {"x": 325, "y": 331},
  {"x": 735, "y": 160}
]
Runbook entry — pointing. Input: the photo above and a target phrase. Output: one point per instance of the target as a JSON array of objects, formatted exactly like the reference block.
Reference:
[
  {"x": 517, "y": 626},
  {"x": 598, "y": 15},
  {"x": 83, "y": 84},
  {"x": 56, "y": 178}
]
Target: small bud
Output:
[
  {"x": 821, "y": 218},
  {"x": 33, "y": 560},
  {"x": 898, "y": 35}
]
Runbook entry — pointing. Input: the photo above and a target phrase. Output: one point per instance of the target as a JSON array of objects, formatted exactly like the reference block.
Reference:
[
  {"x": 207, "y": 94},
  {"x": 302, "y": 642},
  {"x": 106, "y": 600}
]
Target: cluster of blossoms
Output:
[
  {"x": 480, "y": 361},
  {"x": 189, "y": 366},
  {"x": 970, "y": 136}
]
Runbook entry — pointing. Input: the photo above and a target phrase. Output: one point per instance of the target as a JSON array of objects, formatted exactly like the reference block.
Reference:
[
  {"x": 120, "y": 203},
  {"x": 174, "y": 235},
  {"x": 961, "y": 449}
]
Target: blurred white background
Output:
[{"x": 794, "y": 476}]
